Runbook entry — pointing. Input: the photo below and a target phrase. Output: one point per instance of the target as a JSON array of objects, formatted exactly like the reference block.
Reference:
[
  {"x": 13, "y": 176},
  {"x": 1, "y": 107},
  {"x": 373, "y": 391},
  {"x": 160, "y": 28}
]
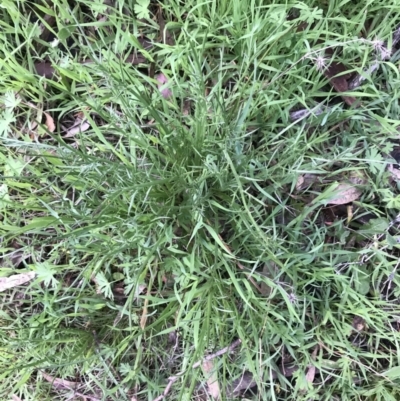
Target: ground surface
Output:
[{"x": 198, "y": 198}]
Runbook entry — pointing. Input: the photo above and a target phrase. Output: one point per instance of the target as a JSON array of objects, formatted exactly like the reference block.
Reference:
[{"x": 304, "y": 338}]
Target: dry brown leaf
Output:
[
  {"x": 344, "y": 193},
  {"x": 305, "y": 181},
  {"x": 80, "y": 125},
  {"x": 394, "y": 172},
  {"x": 60, "y": 383},
  {"x": 336, "y": 73},
  {"x": 50, "y": 122},
  {"x": 310, "y": 375},
  {"x": 44, "y": 69},
  {"x": 212, "y": 379},
  {"x": 33, "y": 125},
  {"x": 300, "y": 182},
  {"x": 15, "y": 280},
  {"x": 162, "y": 81},
  {"x": 358, "y": 178}
]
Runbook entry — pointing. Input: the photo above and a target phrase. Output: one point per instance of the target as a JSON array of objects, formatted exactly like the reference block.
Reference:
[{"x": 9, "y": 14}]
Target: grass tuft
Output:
[{"x": 198, "y": 210}]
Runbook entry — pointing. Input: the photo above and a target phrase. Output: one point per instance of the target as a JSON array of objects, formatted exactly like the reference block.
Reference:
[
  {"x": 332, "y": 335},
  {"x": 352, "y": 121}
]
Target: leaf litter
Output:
[
  {"x": 212, "y": 379},
  {"x": 80, "y": 125},
  {"x": 344, "y": 193},
  {"x": 15, "y": 280}
]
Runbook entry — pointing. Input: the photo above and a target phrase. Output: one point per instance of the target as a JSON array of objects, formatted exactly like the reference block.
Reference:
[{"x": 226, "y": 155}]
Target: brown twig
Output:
[{"x": 173, "y": 379}]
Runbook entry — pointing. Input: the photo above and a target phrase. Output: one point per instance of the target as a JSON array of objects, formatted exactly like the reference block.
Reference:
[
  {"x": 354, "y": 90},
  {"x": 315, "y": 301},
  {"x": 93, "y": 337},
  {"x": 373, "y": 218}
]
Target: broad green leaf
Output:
[
  {"x": 142, "y": 8},
  {"x": 14, "y": 167}
]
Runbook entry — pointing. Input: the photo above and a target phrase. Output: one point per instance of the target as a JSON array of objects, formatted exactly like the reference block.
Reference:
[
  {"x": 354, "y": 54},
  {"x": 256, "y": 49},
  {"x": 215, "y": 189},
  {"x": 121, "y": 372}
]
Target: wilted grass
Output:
[{"x": 174, "y": 226}]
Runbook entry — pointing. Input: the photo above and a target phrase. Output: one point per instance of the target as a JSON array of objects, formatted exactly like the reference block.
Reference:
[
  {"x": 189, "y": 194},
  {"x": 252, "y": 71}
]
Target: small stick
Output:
[{"x": 173, "y": 379}]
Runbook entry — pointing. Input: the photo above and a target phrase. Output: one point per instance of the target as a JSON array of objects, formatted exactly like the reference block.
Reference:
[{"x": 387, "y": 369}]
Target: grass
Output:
[{"x": 172, "y": 227}]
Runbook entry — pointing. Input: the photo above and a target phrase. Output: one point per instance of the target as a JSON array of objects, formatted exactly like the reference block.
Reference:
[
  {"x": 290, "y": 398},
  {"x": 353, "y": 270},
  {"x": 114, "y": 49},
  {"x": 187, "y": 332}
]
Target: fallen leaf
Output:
[
  {"x": 394, "y": 172},
  {"x": 15, "y": 280},
  {"x": 338, "y": 82},
  {"x": 45, "y": 69},
  {"x": 162, "y": 80},
  {"x": 310, "y": 375},
  {"x": 139, "y": 290},
  {"x": 50, "y": 122},
  {"x": 305, "y": 181},
  {"x": 80, "y": 125},
  {"x": 300, "y": 182},
  {"x": 338, "y": 79},
  {"x": 60, "y": 383},
  {"x": 344, "y": 193},
  {"x": 212, "y": 379}
]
